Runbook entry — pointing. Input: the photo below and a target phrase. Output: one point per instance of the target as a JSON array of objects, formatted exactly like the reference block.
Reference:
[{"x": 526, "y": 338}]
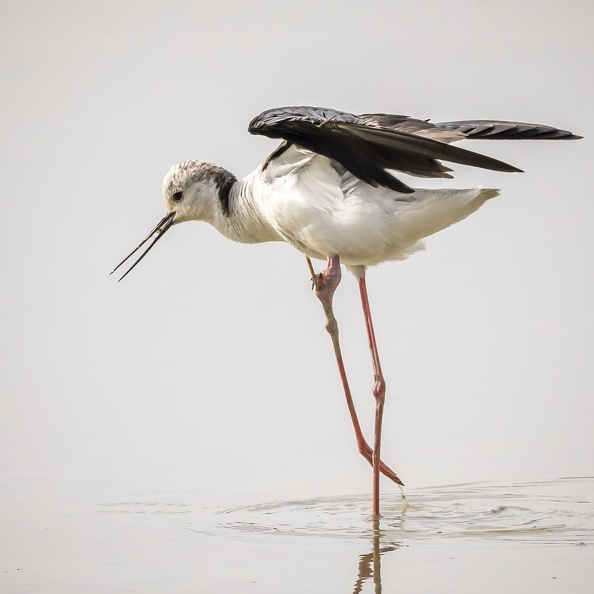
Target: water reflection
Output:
[{"x": 370, "y": 564}]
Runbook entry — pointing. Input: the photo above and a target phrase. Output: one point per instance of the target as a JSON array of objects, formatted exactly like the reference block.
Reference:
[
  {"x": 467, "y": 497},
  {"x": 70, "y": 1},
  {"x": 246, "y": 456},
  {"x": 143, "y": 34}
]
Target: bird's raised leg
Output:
[
  {"x": 325, "y": 284},
  {"x": 379, "y": 392}
]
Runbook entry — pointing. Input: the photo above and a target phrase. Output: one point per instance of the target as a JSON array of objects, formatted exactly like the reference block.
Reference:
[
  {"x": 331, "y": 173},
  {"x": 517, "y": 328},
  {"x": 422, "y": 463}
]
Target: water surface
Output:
[{"x": 523, "y": 537}]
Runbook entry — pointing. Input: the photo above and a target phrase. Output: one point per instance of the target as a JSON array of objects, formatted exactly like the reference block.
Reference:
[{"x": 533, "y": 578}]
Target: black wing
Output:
[
  {"x": 367, "y": 145},
  {"x": 366, "y": 149}
]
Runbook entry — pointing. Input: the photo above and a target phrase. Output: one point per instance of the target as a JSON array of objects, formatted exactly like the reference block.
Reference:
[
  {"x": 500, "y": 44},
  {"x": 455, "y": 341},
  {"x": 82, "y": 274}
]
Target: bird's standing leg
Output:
[
  {"x": 379, "y": 392},
  {"x": 325, "y": 284}
]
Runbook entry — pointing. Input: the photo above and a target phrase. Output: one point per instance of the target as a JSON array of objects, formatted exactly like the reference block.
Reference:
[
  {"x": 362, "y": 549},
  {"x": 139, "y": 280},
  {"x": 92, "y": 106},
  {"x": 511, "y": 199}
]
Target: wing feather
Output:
[
  {"x": 502, "y": 130},
  {"x": 366, "y": 149}
]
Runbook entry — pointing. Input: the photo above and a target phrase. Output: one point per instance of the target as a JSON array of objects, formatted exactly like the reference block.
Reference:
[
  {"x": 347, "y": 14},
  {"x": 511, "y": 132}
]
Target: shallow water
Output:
[
  {"x": 492, "y": 537},
  {"x": 533, "y": 536},
  {"x": 553, "y": 512}
]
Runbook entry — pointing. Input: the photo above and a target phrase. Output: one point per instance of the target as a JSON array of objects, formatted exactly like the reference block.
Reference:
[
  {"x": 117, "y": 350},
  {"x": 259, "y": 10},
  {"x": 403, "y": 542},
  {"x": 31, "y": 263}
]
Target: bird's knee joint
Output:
[{"x": 379, "y": 389}]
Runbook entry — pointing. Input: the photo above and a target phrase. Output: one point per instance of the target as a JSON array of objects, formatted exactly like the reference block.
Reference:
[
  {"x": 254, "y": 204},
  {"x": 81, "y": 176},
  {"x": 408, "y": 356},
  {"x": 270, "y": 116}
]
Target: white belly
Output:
[{"x": 323, "y": 213}]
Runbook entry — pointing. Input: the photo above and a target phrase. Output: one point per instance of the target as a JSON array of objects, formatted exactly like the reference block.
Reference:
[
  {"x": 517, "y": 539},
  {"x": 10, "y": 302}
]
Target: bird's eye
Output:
[{"x": 177, "y": 196}]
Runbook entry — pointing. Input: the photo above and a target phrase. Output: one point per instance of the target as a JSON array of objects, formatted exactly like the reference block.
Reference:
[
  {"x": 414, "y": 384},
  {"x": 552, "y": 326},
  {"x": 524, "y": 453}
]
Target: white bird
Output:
[{"x": 329, "y": 191}]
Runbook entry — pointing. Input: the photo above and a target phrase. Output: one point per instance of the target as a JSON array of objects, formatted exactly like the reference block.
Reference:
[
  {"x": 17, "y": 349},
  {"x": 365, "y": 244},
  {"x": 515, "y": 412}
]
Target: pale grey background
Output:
[{"x": 208, "y": 368}]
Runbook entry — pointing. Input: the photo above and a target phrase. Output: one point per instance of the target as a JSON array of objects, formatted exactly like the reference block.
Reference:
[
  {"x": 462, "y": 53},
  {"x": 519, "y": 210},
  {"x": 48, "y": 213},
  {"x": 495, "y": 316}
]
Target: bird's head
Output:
[{"x": 191, "y": 190}]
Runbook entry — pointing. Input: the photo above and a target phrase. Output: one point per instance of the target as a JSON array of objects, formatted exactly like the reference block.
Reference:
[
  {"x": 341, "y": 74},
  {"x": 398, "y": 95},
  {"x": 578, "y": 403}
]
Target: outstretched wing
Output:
[
  {"x": 366, "y": 149},
  {"x": 370, "y": 144}
]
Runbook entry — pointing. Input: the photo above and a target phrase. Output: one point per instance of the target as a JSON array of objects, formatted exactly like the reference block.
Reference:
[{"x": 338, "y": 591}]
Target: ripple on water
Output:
[
  {"x": 549, "y": 512},
  {"x": 146, "y": 507}
]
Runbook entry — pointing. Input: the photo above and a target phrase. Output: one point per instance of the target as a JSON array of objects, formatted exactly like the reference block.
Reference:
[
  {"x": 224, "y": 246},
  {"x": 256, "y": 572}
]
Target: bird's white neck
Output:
[{"x": 237, "y": 215}]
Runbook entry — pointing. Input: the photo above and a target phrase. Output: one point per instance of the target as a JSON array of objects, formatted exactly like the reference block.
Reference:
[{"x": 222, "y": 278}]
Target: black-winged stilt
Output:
[{"x": 328, "y": 190}]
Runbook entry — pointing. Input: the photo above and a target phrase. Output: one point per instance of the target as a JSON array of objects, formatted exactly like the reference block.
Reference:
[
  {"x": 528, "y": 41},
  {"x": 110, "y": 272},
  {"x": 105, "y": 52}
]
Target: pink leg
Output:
[
  {"x": 325, "y": 284},
  {"x": 379, "y": 392}
]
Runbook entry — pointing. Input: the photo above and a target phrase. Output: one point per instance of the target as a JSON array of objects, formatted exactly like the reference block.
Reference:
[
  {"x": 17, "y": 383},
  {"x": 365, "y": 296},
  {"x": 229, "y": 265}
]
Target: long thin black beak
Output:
[{"x": 156, "y": 234}]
